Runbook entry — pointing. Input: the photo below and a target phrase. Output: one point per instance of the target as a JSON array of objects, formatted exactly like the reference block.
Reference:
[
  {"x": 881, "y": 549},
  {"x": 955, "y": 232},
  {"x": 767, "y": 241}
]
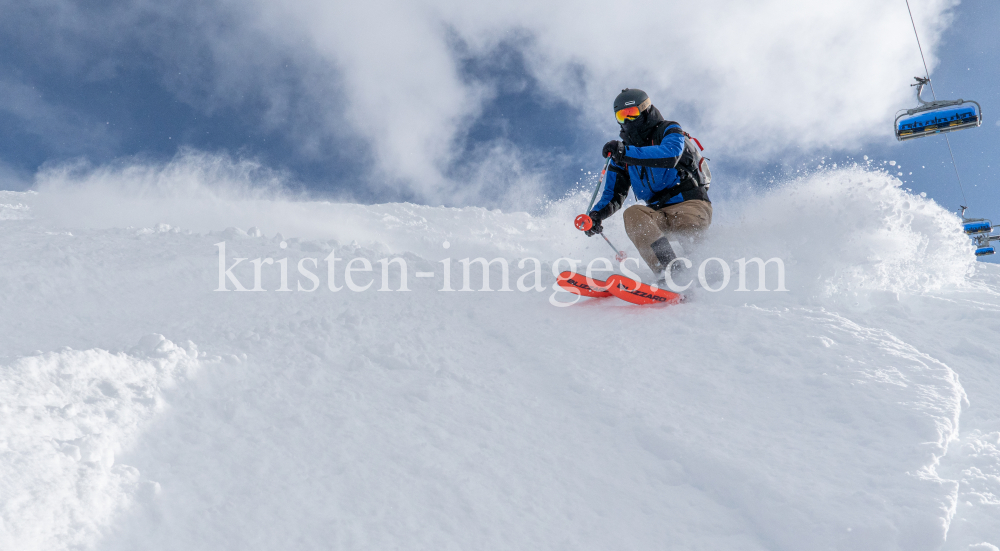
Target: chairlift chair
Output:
[
  {"x": 980, "y": 229},
  {"x": 936, "y": 117}
]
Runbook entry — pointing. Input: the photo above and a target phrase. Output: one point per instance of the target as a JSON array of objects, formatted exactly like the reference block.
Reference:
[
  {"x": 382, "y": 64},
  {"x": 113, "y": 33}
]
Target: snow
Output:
[
  {"x": 66, "y": 415},
  {"x": 143, "y": 409}
]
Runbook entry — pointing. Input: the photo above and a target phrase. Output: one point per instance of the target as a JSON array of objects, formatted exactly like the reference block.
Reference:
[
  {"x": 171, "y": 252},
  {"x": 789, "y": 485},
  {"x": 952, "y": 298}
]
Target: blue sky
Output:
[
  {"x": 968, "y": 69},
  {"x": 120, "y": 82}
]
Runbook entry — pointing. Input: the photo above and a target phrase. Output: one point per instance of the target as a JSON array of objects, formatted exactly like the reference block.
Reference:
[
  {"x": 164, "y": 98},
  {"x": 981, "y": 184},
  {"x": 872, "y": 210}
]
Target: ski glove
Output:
[
  {"x": 614, "y": 148},
  {"x": 596, "y": 228}
]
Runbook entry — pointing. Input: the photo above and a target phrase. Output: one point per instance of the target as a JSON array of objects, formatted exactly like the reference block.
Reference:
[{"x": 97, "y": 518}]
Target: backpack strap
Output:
[
  {"x": 660, "y": 132},
  {"x": 688, "y": 186}
]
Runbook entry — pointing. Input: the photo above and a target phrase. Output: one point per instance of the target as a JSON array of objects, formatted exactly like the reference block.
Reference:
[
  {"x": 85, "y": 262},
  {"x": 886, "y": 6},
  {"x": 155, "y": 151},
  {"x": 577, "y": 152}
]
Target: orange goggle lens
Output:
[{"x": 627, "y": 114}]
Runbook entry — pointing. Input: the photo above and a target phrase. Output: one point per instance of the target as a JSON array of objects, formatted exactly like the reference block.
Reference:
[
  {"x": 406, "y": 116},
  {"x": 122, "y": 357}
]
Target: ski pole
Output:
[
  {"x": 604, "y": 173},
  {"x": 583, "y": 222},
  {"x": 620, "y": 256}
]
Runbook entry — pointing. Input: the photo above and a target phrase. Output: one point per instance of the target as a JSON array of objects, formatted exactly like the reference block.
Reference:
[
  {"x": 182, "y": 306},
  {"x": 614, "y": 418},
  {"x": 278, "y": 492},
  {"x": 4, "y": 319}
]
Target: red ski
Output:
[
  {"x": 581, "y": 285},
  {"x": 620, "y": 286},
  {"x": 637, "y": 292}
]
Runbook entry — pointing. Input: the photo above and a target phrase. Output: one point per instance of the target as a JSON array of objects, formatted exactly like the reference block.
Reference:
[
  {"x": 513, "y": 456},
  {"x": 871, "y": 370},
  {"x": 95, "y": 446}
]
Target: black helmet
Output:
[
  {"x": 636, "y": 116},
  {"x": 630, "y": 97}
]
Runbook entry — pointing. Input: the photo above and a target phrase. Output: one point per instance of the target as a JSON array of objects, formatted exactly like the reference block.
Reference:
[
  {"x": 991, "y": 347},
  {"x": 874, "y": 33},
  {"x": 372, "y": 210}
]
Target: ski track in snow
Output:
[{"x": 854, "y": 412}]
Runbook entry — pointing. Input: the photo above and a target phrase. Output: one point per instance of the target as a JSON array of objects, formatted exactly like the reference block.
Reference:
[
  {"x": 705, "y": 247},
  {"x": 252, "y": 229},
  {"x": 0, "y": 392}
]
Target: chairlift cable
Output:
[
  {"x": 955, "y": 166},
  {"x": 927, "y": 74},
  {"x": 927, "y": 71}
]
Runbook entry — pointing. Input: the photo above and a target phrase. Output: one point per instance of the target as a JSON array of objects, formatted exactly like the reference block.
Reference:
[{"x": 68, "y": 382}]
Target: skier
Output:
[{"x": 653, "y": 160}]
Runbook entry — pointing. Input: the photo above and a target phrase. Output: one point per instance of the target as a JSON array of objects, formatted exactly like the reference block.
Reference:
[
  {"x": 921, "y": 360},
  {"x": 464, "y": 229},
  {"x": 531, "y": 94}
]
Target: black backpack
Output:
[{"x": 692, "y": 161}]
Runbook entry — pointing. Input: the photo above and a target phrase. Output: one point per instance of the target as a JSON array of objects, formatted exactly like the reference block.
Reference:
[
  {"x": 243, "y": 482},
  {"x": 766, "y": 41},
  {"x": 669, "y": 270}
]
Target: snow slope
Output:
[{"x": 142, "y": 409}]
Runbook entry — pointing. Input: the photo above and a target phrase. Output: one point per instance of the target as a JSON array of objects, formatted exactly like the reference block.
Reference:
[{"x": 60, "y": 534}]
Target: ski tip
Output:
[{"x": 637, "y": 292}]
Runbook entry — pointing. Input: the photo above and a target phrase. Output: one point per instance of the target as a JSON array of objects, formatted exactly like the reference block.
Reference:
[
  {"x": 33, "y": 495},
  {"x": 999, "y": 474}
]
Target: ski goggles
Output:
[{"x": 628, "y": 114}]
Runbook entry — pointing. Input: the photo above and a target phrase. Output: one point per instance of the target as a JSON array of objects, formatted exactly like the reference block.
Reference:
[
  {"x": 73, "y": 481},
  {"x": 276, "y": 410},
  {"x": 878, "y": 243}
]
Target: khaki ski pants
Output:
[{"x": 648, "y": 228}]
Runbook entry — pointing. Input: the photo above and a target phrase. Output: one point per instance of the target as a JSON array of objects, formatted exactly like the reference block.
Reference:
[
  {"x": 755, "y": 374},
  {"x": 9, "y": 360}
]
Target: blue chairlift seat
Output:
[
  {"x": 972, "y": 228},
  {"x": 980, "y": 229},
  {"x": 936, "y": 117}
]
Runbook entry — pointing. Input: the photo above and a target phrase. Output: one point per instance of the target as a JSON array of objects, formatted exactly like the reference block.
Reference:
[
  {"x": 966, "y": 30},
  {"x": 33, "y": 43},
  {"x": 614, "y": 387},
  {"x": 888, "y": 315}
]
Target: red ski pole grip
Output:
[{"x": 583, "y": 222}]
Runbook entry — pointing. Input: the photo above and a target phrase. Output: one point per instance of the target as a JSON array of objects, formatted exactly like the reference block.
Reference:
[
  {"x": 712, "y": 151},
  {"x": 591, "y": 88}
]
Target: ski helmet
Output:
[{"x": 632, "y": 97}]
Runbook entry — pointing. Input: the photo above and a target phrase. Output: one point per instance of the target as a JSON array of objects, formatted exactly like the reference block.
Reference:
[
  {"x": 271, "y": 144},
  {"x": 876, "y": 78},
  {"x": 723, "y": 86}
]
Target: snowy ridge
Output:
[
  {"x": 851, "y": 412},
  {"x": 13, "y": 211}
]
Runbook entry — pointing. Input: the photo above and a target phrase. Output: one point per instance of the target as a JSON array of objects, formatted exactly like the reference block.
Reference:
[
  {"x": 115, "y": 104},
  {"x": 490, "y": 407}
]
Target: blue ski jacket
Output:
[{"x": 650, "y": 171}]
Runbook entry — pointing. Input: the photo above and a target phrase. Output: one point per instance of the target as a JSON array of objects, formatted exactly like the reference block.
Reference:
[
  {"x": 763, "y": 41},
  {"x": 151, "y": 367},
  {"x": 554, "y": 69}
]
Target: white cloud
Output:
[
  {"x": 750, "y": 77},
  {"x": 382, "y": 79}
]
